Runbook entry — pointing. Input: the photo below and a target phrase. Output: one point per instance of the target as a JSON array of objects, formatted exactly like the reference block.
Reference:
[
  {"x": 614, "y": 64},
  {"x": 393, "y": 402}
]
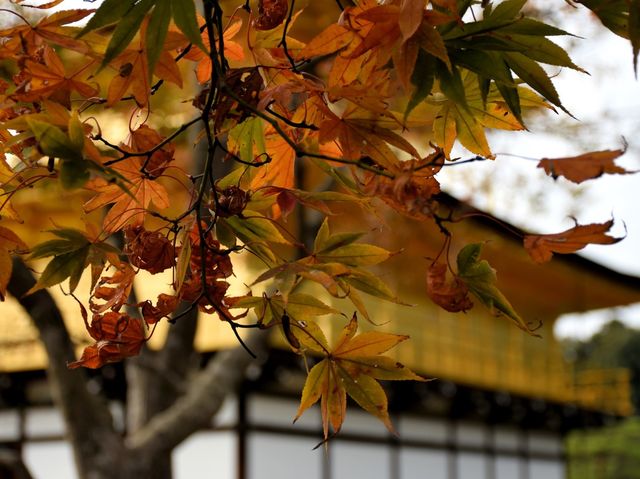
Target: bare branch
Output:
[{"x": 207, "y": 391}]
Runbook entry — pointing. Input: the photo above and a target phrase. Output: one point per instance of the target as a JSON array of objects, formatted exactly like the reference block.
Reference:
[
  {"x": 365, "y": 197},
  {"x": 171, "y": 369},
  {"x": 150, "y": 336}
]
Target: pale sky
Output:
[{"x": 607, "y": 104}]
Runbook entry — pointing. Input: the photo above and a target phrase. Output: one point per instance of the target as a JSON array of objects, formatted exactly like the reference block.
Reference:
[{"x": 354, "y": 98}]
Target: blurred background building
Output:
[{"x": 500, "y": 407}]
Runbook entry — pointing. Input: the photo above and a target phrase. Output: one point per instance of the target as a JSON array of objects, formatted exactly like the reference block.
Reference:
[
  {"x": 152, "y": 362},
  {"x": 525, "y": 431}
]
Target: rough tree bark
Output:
[{"x": 100, "y": 451}]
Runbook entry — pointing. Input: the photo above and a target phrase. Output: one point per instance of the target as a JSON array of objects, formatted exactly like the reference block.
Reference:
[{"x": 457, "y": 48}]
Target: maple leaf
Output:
[
  {"x": 232, "y": 51},
  {"x": 9, "y": 243},
  {"x": 542, "y": 247},
  {"x": 465, "y": 119},
  {"x": 584, "y": 167},
  {"x": 27, "y": 38},
  {"x": 72, "y": 252},
  {"x": 298, "y": 307},
  {"x": 279, "y": 171},
  {"x": 452, "y": 296},
  {"x": 358, "y": 135},
  {"x": 336, "y": 264},
  {"x": 332, "y": 39},
  {"x": 207, "y": 262},
  {"x": 131, "y": 201},
  {"x": 165, "y": 305},
  {"x": 412, "y": 188},
  {"x": 353, "y": 368},
  {"x": 135, "y": 72},
  {"x": 480, "y": 278},
  {"x": 371, "y": 95},
  {"x": 50, "y": 80},
  {"x": 117, "y": 336}
]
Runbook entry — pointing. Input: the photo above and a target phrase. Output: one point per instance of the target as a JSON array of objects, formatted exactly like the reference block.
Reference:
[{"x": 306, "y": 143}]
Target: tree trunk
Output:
[
  {"x": 156, "y": 379},
  {"x": 88, "y": 420},
  {"x": 163, "y": 422},
  {"x": 12, "y": 466}
]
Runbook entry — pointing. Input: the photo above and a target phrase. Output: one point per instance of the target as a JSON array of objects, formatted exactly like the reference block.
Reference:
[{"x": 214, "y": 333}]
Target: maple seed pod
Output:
[
  {"x": 231, "y": 201},
  {"x": 271, "y": 13}
]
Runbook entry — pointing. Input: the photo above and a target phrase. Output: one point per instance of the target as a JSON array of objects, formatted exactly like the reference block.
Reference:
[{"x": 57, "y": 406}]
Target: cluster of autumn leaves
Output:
[{"x": 392, "y": 70}]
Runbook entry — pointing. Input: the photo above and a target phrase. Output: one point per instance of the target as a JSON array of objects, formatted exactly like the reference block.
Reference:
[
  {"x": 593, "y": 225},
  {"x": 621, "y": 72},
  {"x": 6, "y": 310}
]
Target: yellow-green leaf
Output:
[
  {"x": 369, "y": 343},
  {"x": 369, "y": 395},
  {"x": 52, "y": 141},
  {"x": 444, "y": 128},
  {"x": 255, "y": 227},
  {"x": 314, "y": 386},
  {"x": 184, "y": 15},
  {"x": 357, "y": 254},
  {"x": 382, "y": 367},
  {"x": 471, "y": 133},
  {"x": 481, "y": 280},
  {"x": 68, "y": 265}
]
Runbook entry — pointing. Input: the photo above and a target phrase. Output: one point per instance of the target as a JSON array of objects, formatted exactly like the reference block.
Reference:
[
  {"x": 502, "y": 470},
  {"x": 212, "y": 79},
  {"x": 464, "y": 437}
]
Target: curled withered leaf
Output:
[
  {"x": 114, "y": 290},
  {"x": 271, "y": 13},
  {"x": 412, "y": 189},
  {"x": 117, "y": 336},
  {"x": 453, "y": 296},
  {"x": 148, "y": 250},
  {"x": 584, "y": 167},
  {"x": 212, "y": 266},
  {"x": 166, "y": 305},
  {"x": 231, "y": 201},
  {"x": 542, "y": 247}
]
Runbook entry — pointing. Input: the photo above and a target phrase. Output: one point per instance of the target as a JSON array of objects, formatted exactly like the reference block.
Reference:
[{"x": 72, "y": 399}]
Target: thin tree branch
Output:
[{"x": 223, "y": 375}]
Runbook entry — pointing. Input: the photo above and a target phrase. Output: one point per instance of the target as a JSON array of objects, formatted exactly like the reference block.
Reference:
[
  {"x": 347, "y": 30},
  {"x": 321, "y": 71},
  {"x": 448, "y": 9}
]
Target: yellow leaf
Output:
[
  {"x": 313, "y": 387},
  {"x": 369, "y": 395},
  {"x": 444, "y": 129},
  {"x": 471, "y": 133},
  {"x": 370, "y": 343},
  {"x": 330, "y": 40},
  {"x": 352, "y": 368}
]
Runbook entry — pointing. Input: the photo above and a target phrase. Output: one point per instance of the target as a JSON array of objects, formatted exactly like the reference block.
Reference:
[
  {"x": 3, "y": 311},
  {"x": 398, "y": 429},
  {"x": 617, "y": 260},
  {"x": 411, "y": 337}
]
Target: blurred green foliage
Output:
[
  {"x": 612, "y": 452},
  {"x": 616, "y": 345},
  {"x": 609, "y": 453}
]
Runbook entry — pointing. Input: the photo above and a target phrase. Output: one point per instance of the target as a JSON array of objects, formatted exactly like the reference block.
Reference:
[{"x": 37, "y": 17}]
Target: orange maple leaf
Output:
[
  {"x": 25, "y": 39},
  {"x": 542, "y": 247},
  {"x": 50, "y": 80},
  {"x": 142, "y": 189},
  {"x": 133, "y": 70},
  {"x": 232, "y": 51},
  {"x": 280, "y": 170},
  {"x": 353, "y": 368},
  {"x": 359, "y": 134},
  {"x": 584, "y": 167}
]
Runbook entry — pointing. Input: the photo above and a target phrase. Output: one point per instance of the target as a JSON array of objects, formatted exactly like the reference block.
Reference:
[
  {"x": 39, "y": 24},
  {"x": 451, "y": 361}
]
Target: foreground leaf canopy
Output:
[{"x": 195, "y": 132}]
